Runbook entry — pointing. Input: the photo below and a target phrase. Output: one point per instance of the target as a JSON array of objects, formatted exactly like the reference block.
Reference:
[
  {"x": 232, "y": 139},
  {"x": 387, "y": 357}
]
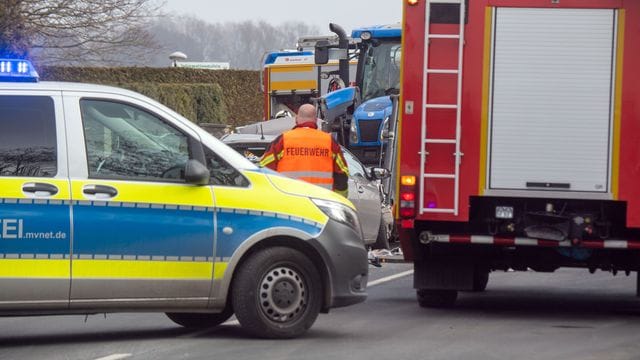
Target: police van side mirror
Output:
[{"x": 195, "y": 173}]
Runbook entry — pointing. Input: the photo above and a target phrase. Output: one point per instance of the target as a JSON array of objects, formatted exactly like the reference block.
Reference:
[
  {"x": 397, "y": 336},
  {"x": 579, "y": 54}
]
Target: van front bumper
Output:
[{"x": 345, "y": 257}]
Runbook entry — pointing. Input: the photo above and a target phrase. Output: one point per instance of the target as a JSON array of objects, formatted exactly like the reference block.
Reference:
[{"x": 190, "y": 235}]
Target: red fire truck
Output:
[{"x": 519, "y": 141}]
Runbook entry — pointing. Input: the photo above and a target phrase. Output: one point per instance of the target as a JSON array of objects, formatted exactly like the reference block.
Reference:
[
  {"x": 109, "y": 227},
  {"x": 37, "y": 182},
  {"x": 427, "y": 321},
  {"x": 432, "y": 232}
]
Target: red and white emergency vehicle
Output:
[{"x": 519, "y": 139}]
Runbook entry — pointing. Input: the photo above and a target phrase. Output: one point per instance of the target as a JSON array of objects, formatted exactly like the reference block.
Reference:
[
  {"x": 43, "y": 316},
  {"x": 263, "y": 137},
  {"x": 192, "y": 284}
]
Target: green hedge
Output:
[
  {"x": 229, "y": 97},
  {"x": 201, "y": 103}
]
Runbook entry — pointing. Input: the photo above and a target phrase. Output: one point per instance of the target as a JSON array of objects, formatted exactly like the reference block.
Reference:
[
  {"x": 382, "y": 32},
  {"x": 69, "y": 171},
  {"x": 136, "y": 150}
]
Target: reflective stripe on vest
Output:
[
  {"x": 307, "y": 156},
  {"x": 316, "y": 177}
]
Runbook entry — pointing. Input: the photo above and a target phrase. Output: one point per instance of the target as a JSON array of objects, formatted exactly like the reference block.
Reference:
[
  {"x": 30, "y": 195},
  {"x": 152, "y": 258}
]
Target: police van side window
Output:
[
  {"x": 27, "y": 136},
  {"x": 221, "y": 172},
  {"x": 125, "y": 142}
]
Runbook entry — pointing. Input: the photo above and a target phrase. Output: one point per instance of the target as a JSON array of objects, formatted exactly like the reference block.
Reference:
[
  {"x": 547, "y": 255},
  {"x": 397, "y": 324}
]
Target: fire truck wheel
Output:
[
  {"x": 429, "y": 298},
  {"x": 382, "y": 241},
  {"x": 277, "y": 293},
  {"x": 480, "y": 280},
  {"x": 200, "y": 320}
]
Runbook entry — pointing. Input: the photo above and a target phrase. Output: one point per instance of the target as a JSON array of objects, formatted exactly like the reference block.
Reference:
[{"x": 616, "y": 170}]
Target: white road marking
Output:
[
  {"x": 389, "y": 278},
  {"x": 115, "y": 357}
]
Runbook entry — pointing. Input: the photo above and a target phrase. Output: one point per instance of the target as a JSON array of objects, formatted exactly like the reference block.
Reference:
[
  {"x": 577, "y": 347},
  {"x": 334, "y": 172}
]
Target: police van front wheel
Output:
[{"x": 277, "y": 293}]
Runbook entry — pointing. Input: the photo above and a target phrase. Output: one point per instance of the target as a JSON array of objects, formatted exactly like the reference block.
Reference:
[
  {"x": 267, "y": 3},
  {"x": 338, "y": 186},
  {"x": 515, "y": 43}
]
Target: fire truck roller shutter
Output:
[{"x": 550, "y": 111}]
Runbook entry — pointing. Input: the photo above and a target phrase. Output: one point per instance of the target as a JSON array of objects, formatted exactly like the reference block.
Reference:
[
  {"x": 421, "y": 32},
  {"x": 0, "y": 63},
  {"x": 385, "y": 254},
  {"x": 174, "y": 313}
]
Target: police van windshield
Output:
[{"x": 381, "y": 69}]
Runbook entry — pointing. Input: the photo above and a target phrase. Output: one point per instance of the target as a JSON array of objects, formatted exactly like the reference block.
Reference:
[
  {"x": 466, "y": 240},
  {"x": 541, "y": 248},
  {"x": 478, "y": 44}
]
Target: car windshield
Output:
[
  {"x": 355, "y": 167},
  {"x": 381, "y": 70}
]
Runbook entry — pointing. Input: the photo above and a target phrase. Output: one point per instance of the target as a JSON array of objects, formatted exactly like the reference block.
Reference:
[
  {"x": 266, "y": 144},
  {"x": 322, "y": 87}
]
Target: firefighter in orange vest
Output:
[{"x": 309, "y": 154}]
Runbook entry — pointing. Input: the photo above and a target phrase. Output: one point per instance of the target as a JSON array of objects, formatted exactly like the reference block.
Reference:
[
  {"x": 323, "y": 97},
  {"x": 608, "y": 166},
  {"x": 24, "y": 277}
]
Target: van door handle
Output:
[
  {"x": 96, "y": 190},
  {"x": 36, "y": 188}
]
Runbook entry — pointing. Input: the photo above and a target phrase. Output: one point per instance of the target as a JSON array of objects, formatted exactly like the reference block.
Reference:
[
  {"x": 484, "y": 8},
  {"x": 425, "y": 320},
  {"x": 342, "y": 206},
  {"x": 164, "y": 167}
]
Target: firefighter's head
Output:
[{"x": 306, "y": 113}]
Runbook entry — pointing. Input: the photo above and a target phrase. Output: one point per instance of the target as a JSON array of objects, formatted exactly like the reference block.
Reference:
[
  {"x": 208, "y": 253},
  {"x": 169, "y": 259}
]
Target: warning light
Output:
[{"x": 17, "y": 70}]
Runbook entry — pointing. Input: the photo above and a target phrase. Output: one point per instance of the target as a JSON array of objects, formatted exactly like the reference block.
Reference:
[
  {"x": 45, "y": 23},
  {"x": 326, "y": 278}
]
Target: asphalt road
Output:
[{"x": 566, "y": 315}]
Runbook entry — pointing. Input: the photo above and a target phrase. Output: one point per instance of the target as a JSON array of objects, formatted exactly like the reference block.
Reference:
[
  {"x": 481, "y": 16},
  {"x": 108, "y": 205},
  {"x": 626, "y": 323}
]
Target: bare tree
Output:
[
  {"x": 79, "y": 31},
  {"x": 241, "y": 43},
  {"x": 13, "y": 34}
]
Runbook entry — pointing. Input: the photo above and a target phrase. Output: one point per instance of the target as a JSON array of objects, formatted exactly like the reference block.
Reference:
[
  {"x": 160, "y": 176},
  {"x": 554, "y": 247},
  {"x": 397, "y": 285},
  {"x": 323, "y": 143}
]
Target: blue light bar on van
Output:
[{"x": 17, "y": 70}]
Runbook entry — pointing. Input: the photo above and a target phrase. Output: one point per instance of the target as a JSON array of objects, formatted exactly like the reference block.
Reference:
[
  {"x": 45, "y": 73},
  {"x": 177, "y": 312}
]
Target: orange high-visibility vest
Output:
[{"x": 307, "y": 155}]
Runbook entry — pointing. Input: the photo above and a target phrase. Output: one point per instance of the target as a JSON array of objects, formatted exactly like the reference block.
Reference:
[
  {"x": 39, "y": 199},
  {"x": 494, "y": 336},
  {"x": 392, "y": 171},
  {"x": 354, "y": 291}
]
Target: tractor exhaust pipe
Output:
[{"x": 343, "y": 43}]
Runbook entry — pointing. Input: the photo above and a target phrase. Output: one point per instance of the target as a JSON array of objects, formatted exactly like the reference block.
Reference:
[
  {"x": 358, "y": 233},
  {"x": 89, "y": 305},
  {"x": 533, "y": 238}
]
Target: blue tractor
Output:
[
  {"x": 362, "y": 118},
  {"x": 378, "y": 77}
]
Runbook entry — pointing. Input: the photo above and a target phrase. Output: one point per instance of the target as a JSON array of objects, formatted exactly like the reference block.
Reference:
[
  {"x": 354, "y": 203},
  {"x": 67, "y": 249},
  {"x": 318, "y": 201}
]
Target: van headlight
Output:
[{"x": 340, "y": 213}]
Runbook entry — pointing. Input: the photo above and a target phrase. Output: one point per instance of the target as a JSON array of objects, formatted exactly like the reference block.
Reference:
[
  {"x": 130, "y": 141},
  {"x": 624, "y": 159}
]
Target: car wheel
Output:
[
  {"x": 429, "y": 298},
  {"x": 277, "y": 293},
  {"x": 382, "y": 241},
  {"x": 200, "y": 320}
]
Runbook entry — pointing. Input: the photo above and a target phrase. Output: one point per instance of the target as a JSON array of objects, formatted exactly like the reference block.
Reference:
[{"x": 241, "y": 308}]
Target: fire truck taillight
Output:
[
  {"x": 407, "y": 196},
  {"x": 407, "y": 204},
  {"x": 412, "y": 2}
]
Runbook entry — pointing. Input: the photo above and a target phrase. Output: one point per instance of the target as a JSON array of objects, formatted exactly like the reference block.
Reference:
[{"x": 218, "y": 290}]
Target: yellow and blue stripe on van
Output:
[{"x": 152, "y": 231}]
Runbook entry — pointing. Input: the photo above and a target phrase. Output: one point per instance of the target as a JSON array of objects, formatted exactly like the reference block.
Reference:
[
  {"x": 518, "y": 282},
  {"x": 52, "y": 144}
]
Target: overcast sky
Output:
[{"x": 347, "y": 13}]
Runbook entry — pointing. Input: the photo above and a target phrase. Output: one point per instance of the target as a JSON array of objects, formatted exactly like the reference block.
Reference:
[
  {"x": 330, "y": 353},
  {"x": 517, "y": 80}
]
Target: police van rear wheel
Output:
[
  {"x": 200, "y": 320},
  {"x": 277, "y": 293}
]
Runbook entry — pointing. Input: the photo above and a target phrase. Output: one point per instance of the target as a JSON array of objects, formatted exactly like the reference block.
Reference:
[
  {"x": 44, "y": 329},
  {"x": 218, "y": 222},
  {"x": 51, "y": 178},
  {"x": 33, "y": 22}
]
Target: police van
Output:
[{"x": 111, "y": 202}]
